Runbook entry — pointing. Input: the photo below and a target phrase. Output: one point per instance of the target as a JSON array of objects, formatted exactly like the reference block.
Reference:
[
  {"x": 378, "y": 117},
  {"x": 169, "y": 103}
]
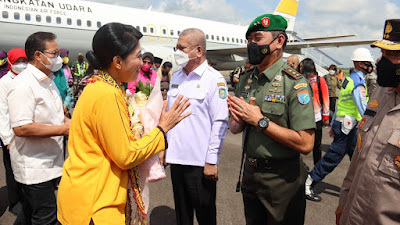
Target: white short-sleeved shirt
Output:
[
  {"x": 198, "y": 139},
  {"x": 34, "y": 98},
  {"x": 6, "y": 133}
]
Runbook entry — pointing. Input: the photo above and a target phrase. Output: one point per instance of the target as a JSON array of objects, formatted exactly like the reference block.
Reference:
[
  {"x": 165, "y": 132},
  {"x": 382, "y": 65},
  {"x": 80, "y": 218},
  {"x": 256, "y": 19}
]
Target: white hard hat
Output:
[{"x": 362, "y": 55}]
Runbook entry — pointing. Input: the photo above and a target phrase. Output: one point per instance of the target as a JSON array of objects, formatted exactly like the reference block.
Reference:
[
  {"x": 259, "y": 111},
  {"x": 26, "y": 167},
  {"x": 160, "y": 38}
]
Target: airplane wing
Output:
[
  {"x": 295, "y": 47},
  {"x": 328, "y": 37}
]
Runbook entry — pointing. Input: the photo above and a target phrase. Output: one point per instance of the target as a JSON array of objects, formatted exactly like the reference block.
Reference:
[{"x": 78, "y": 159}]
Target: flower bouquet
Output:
[{"x": 145, "y": 109}]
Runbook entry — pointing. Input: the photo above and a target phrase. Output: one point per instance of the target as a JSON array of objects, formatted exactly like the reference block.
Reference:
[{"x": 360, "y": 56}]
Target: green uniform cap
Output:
[{"x": 267, "y": 22}]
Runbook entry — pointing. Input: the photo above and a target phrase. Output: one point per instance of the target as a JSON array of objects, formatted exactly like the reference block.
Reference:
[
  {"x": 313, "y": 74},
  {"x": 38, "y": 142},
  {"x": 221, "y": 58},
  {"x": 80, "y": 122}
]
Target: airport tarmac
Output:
[{"x": 229, "y": 202}]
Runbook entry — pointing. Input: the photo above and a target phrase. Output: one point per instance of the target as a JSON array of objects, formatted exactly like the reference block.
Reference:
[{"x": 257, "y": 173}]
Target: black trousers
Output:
[
  {"x": 39, "y": 205},
  {"x": 332, "y": 103},
  {"x": 193, "y": 192},
  {"x": 14, "y": 193},
  {"x": 317, "y": 142}
]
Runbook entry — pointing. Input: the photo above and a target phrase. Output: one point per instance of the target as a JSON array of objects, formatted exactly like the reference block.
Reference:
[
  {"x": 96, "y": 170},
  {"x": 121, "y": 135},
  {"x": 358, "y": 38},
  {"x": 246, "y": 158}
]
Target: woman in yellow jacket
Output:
[{"x": 93, "y": 188}]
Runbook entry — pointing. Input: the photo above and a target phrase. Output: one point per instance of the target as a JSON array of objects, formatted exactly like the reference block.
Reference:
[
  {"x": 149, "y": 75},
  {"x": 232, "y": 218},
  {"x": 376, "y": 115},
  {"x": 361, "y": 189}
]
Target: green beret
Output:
[{"x": 267, "y": 22}]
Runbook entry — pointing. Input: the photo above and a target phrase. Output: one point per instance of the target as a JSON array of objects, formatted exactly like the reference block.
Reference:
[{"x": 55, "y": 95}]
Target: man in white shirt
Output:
[
  {"x": 195, "y": 143},
  {"x": 38, "y": 121},
  {"x": 16, "y": 62}
]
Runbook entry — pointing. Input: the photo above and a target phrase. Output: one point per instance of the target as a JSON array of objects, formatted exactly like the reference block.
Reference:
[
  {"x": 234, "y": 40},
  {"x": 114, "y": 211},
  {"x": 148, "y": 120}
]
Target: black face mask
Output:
[
  {"x": 257, "y": 53},
  {"x": 388, "y": 73},
  {"x": 369, "y": 68}
]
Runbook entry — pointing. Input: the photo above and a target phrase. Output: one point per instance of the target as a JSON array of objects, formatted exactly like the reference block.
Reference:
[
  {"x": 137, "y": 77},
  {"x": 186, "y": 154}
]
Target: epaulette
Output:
[
  {"x": 249, "y": 69},
  {"x": 293, "y": 73}
]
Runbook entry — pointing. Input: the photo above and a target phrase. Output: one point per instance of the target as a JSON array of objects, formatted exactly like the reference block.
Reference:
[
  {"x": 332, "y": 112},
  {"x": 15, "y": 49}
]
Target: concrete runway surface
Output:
[{"x": 229, "y": 202}]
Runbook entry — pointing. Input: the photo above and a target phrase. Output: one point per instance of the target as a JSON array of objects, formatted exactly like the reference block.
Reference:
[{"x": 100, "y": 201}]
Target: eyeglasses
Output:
[
  {"x": 54, "y": 53},
  {"x": 180, "y": 47}
]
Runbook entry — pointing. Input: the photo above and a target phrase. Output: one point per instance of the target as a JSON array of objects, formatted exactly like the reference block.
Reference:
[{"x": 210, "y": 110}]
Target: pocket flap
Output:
[{"x": 273, "y": 108}]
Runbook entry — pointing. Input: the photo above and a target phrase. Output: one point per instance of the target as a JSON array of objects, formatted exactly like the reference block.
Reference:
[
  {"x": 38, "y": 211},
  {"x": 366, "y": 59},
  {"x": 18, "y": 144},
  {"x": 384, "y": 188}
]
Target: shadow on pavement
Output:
[
  {"x": 327, "y": 189},
  {"x": 162, "y": 215},
  {"x": 4, "y": 200}
]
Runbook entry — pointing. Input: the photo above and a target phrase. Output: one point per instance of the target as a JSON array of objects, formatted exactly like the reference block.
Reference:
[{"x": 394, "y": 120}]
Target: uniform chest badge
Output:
[
  {"x": 278, "y": 77},
  {"x": 222, "y": 93},
  {"x": 175, "y": 86},
  {"x": 374, "y": 104},
  {"x": 362, "y": 123},
  {"x": 249, "y": 81},
  {"x": 397, "y": 161},
  {"x": 276, "y": 90},
  {"x": 198, "y": 86},
  {"x": 303, "y": 97},
  {"x": 247, "y": 87},
  {"x": 276, "y": 84}
]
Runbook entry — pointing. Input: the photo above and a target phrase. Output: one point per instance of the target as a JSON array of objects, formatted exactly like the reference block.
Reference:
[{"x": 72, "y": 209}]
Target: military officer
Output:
[
  {"x": 273, "y": 107},
  {"x": 370, "y": 190}
]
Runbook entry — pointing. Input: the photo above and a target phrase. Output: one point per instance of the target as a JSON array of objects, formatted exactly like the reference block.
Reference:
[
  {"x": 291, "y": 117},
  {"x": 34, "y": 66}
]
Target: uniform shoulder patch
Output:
[
  {"x": 303, "y": 97},
  {"x": 293, "y": 73},
  {"x": 345, "y": 82},
  {"x": 248, "y": 70}
]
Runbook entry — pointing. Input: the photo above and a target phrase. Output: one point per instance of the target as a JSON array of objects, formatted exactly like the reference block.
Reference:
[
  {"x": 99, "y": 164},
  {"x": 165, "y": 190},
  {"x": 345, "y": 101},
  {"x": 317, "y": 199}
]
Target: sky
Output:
[{"x": 315, "y": 18}]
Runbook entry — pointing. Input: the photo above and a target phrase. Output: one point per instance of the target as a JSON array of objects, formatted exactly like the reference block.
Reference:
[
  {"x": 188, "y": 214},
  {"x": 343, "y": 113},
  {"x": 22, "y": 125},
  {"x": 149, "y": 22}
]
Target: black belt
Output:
[{"x": 267, "y": 163}]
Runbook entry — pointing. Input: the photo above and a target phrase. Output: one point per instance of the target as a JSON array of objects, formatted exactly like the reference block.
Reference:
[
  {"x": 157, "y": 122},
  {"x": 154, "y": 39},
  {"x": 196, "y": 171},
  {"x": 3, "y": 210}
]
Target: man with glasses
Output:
[
  {"x": 273, "y": 107},
  {"x": 194, "y": 144},
  {"x": 37, "y": 118}
]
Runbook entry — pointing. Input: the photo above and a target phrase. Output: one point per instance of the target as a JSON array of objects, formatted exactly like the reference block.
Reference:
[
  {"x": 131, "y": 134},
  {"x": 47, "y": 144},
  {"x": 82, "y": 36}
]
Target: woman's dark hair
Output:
[
  {"x": 308, "y": 67},
  {"x": 332, "y": 67},
  {"x": 112, "y": 39},
  {"x": 37, "y": 42}
]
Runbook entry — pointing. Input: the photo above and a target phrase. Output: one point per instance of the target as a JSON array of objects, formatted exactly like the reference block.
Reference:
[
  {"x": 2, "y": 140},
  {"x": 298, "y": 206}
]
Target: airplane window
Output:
[
  {"x": 227, "y": 39},
  {"x": 38, "y": 18},
  {"x": 151, "y": 30},
  {"x": 241, "y": 41},
  {"x": 48, "y": 19},
  {"x": 69, "y": 21},
  {"x": 16, "y": 16},
  {"x": 207, "y": 36},
  {"x": 138, "y": 28},
  {"x": 223, "y": 38},
  {"x": 99, "y": 24},
  {"x": 179, "y": 32},
  {"x": 164, "y": 31},
  {"x": 79, "y": 22},
  {"x": 58, "y": 20},
  {"x": 212, "y": 37},
  {"x": 144, "y": 29},
  {"x": 237, "y": 40},
  {"x": 5, "y": 14},
  {"x": 89, "y": 23},
  {"x": 171, "y": 32},
  {"x": 28, "y": 17},
  {"x": 217, "y": 38}
]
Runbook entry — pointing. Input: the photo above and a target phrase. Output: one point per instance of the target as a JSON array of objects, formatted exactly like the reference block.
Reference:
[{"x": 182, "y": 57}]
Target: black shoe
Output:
[{"x": 313, "y": 196}]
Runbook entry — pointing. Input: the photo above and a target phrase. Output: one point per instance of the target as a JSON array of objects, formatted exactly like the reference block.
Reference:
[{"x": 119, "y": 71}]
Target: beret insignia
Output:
[{"x": 265, "y": 21}]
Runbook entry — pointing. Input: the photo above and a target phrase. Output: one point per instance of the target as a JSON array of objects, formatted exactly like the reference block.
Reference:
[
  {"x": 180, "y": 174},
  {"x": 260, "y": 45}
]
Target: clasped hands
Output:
[{"x": 241, "y": 111}]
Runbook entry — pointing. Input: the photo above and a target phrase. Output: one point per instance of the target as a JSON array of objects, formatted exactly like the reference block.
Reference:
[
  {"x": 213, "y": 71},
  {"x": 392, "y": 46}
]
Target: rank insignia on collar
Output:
[
  {"x": 275, "y": 90},
  {"x": 397, "y": 161},
  {"x": 249, "y": 81},
  {"x": 175, "y": 86},
  {"x": 247, "y": 87},
  {"x": 303, "y": 97},
  {"x": 278, "y": 77},
  {"x": 276, "y": 84},
  {"x": 374, "y": 104}
]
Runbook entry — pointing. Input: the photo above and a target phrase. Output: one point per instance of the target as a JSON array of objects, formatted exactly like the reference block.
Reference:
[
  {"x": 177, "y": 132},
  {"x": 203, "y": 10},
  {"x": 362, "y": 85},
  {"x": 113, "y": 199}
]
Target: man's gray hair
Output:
[{"x": 197, "y": 37}]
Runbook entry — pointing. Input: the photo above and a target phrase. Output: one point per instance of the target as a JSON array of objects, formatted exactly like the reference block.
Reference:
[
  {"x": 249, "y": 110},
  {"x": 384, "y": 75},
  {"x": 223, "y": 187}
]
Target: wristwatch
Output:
[{"x": 263, "y": 123}]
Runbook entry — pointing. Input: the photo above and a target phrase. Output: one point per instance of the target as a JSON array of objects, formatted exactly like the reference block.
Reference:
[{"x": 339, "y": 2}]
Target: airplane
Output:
[{"x": 75, "y": 23}]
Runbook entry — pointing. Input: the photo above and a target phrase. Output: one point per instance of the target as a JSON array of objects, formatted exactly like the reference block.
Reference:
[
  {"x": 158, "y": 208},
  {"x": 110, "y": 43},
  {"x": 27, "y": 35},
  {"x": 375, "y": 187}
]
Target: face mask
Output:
[
  {"x": 369, "y": 68},
  {"x": 388, "y": 73},
  {"x": 257, "y": 53},
  {"x": 3, "y": 61},
  {"x": 18, "y": 68},
  {"x": 146, "y": 67},
  {"x": 55, "y": 63},
  {"x": 331, "y": 72},
  {"x": 181, "y": 58},
  {"x": 65, "y": 60}
]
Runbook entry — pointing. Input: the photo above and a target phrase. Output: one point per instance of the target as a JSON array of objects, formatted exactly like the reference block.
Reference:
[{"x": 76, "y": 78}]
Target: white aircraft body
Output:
[{"x": 75, "y": 23}]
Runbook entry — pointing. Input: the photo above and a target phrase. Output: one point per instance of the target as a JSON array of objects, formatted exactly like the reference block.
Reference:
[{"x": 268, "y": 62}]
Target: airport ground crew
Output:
[
  {"x": 277, "y": 128},
  {"x": 353, "y": 100}
]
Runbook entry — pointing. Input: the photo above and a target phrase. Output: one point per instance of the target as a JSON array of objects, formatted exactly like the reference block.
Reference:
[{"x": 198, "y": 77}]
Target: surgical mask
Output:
[
  {"x": 181, "y": 58},
  {"x": 257, "y": 53},
  {"x": 3, "y": 61},
  {"x": 332, "y": 72},
  {"x": 55, "y": 63},
  {"x": 65, "y": 60},
  {"x": 146, "y": 67},
  {"x": 19, "y": 67},
  {"x": 388, "y": 73}
]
